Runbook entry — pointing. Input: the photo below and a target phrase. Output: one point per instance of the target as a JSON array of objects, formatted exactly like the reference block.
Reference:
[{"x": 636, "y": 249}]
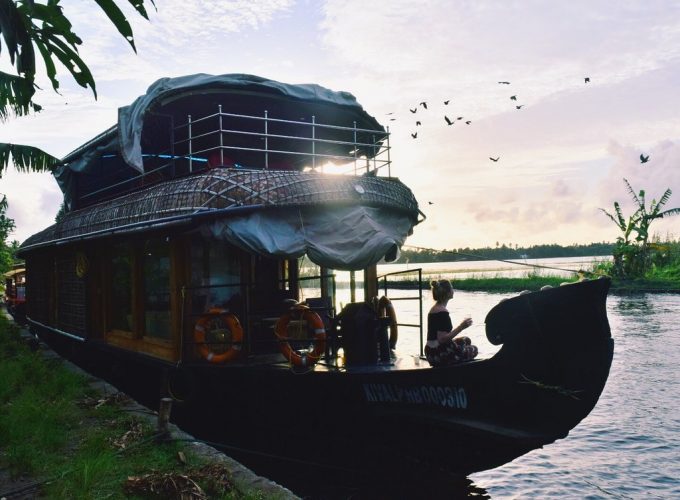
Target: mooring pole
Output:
[{"x": 164, "y": 418}]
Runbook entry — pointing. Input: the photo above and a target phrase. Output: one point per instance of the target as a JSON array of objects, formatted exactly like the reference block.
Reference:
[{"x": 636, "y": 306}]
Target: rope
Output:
[
  {"x": 481, "y": 257},
  {"x": 247, "y": 451}
]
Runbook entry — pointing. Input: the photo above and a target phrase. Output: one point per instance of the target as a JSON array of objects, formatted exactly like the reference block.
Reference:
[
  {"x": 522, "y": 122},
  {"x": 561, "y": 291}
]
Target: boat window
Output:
[
  {"x": 156, "y": 266},
  {"x": 215, "y": 276},
  {"x": 121, "y": 288},
  {"x": 70, "y": 296}
]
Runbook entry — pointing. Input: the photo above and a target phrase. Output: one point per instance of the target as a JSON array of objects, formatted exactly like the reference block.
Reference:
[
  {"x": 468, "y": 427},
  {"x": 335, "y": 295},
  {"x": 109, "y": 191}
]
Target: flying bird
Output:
[
  {"x": 643, "y": 158},
  {"x": 414, "y": 134},
  {"x": 520, "y": 106},
  {"x": 513, "y": 97},
  {"x": 459, "y": 118},
  {"x": 448, "y": 120},
  {"x": 418, "y": 123},
  {"x": 390, "y": 113},
  {"x": 413, "y": 110},
  {"x": 587, "y": 79},
  {"x": 393, "y": 119},
  {"x": 446, "y": 103},
  {"x": 430, "y": 203},
  {"x": 504, "y": 83},
  {"x": 468, "y": 122},
  {"x": 424, "y": 104},
  {"x": 494, "y": 159}
]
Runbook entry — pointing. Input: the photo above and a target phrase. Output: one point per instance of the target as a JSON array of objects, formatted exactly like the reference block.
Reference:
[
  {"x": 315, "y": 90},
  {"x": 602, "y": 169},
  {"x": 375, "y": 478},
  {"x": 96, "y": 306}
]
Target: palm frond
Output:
[
  {"x": 612, "y": 218},
  {"x": 664, "y": 198},
  {"x": 118, "y": 18},
  {"x": 669, "y": 213},
  {"x": 16, "y": 31},
  {"x": 25, "y": 158},
  {"x": 619, "y": 214},
  {"x": 27, "y": 25},
  {"x": 16, "y": 94},
  {"x": 632, "y": 193}
]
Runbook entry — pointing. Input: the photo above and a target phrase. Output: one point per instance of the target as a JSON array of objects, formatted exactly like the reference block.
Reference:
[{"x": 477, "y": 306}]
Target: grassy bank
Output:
[{"x": 65, "y": 439}]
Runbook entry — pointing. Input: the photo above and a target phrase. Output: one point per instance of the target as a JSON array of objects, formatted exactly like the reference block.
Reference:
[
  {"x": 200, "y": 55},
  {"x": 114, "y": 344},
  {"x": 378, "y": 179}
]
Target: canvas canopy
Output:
[
  {"x": 345, "y": 238},
  {"x": 183, "y": 94}
]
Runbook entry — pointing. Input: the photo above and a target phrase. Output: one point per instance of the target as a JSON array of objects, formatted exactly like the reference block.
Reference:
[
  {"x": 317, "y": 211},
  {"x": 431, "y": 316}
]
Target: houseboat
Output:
[
  {"x": 15, "y": 293},
  {"x": 197, "y": 257}
]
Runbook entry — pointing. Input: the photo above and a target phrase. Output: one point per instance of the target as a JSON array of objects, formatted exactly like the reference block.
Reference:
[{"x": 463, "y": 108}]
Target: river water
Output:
[{"x": 628, "y": 447}]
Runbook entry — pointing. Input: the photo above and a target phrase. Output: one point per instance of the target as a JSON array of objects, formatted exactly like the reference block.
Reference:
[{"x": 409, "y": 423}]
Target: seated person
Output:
[{"x": 443, "y": 348}]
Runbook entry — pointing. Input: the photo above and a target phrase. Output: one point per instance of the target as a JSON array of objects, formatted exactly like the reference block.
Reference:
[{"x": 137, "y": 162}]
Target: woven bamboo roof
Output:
[{"x": 220, "y": 192}]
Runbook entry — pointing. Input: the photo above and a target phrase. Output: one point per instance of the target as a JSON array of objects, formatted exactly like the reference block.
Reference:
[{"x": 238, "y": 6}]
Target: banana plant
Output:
[
  {"x": 655, "y": 212},
  {"x": 633, "y": 259},
  {"x": 642, "y": 218}
]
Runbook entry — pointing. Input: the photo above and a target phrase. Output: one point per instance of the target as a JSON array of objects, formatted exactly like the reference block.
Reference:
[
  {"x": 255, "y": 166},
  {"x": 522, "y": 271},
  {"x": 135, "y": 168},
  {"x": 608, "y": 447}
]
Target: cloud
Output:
[
  {"x": 180, "y": 37},
  {"x": 33, "y": 203},
  {"x": 563, "y": 154}
]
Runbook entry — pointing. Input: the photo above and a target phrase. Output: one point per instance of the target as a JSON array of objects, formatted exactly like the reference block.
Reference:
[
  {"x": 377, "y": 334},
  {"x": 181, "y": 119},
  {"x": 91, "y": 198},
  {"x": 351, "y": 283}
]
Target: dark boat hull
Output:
[{"x": 556, "y": 354}]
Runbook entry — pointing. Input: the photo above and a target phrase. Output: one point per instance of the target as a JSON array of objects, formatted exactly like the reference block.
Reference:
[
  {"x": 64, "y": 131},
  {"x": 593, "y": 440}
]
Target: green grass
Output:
[
  {"x": 498, "y": 284},
  {"x": 501, "y": 284},
  {"x": 49, "y": 433}
]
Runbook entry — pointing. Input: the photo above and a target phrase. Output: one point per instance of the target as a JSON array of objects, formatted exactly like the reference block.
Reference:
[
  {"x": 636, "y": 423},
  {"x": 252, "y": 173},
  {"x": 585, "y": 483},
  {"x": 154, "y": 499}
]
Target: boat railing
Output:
[
  {"x": 369, "y": 150},
  {"x": 256, "y": 142},
  {"x": 387, "y": 282}
]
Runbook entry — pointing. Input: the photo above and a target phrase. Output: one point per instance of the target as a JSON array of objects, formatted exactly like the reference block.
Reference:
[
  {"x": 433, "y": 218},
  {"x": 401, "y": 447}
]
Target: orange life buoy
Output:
[
  {"x": 216, "y": 322},
  {"x": 314, "y": 321},
  {"x": 385, "y": 308}
]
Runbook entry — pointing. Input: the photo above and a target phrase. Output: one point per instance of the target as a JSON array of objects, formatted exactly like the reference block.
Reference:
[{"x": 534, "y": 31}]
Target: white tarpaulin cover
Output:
[{"x": 346, "y": 238}]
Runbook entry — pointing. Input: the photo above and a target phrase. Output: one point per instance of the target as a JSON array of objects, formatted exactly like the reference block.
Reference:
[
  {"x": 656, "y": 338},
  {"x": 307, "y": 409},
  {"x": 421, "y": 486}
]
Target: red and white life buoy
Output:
[
  {"x": 385, "y": 308},
  {"x": 222, "y": 320},
  {"x": 312, "y": 320}
]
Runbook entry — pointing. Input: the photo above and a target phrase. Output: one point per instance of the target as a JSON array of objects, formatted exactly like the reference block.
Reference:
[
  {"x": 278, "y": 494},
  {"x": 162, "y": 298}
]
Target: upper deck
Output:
[{"x": 189, "y": 125}]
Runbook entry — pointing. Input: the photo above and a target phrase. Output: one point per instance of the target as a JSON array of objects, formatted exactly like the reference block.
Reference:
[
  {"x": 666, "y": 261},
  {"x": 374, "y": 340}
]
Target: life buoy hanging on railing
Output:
[
  {"x": 216, "y": 323},
  {"x": 314, "y": 321},
  {"x": 385, "y": 308}
]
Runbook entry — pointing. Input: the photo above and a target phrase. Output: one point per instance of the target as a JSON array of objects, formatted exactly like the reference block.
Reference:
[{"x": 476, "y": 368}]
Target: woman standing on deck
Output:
[{"x": 443, "y": 348}]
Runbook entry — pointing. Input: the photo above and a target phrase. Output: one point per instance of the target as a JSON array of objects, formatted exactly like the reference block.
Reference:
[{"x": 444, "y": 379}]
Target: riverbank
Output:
[
  {"x": 533, "y": 283},
  {"x": 65, "y": 434}
]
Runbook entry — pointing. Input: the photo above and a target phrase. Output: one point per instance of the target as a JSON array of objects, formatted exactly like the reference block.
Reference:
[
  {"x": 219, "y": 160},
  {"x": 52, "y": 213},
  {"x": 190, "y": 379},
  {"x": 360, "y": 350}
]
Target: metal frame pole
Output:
[
  {"x": 389, "y": 160},
  {"x": 355, "y": 146},
  {"x": 219, "y": 109},
  {"x": 313, "y": 143},
  {"x": 191, "y": 163},
  {"x": 266, "y": 140}
]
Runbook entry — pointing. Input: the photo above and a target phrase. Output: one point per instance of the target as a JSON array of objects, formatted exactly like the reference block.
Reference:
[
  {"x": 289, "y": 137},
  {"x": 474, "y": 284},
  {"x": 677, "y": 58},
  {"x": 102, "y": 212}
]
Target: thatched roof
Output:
[{"x": 222, "y": 192}]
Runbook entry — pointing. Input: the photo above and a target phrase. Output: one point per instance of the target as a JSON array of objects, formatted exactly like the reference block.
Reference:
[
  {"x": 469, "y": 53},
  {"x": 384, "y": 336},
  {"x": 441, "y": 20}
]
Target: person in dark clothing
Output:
[{"x": 443, "y": 346}]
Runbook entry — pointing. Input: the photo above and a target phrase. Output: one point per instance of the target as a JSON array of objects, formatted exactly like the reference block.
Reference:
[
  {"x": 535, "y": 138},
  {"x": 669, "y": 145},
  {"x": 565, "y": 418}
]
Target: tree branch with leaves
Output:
[{"x": 29, "y": 27}]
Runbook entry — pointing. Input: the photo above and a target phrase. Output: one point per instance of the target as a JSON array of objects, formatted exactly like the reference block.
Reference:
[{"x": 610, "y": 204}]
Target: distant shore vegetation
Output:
[
  {"x": 660, "y": 273},
  {"x": 503, "y": 251}
]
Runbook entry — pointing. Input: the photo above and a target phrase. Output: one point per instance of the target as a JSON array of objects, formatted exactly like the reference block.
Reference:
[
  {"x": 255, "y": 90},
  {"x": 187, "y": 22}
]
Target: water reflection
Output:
[
  {"x": 328, "y": 484},
  {"x": 636, "y": 306}
]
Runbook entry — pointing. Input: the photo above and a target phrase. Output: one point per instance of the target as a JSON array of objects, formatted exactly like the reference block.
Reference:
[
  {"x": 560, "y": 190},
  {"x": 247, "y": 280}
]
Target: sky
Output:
[{"x": 561, "y": 157}]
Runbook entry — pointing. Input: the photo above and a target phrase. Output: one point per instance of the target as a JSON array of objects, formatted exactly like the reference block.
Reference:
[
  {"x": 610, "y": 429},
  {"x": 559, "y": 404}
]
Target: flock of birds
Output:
[{"x": 452, "y": 121}]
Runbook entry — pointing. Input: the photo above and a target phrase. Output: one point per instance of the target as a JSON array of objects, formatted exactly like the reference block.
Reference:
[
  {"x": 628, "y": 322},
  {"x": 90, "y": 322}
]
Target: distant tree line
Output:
[{"x": 505, "y": 252}]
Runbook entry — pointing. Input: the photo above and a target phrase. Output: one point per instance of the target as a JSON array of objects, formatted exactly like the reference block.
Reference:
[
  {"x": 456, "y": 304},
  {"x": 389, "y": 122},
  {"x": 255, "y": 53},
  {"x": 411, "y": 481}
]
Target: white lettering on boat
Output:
[{"x": 449, "y": 397}]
